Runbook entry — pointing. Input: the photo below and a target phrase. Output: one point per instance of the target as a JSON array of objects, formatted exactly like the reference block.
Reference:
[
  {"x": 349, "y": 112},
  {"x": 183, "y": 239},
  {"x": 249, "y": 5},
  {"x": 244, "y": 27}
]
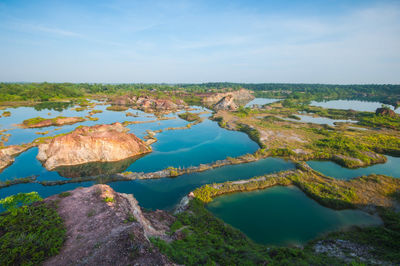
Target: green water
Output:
[
  {"x": 283, "y": 216},
  {"x": 390, "y": 168}
]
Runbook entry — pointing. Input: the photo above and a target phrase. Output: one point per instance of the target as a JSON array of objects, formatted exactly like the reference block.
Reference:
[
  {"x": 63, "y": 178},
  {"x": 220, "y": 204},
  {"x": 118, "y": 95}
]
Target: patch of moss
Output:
[
  {"x": 190, "y": 117},
  {"x": 117, "y": 108}
]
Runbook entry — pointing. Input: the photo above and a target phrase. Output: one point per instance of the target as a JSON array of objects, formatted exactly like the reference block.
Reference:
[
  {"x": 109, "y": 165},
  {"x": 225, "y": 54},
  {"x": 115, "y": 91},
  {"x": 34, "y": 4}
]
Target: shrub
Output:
[{"x": 30, "y": 235}]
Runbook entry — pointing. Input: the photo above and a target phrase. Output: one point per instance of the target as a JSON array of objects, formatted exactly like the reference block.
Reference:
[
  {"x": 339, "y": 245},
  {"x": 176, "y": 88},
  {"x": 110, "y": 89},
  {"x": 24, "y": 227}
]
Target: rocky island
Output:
[
  {"x": 38, "y": 122},
  {"x": 148, "y": 103},
  {"x": 100, "y": 143},
  {"x": 228, "y": 100}
]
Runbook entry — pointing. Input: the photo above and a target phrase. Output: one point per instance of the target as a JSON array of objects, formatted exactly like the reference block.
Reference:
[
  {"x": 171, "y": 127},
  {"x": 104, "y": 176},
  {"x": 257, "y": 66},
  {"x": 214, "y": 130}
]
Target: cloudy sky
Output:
[{"x": 200, "y": 41}]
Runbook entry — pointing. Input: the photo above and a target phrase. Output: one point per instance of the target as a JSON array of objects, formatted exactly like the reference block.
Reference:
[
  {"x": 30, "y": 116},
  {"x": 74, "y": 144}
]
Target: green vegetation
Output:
[
  {"x": 373, "y": 120},
  {"x": 327, "y": 194},
  {"x": 6, "y": 113},
  {"x": 172, "y": 171},
  {"x": 252, "y": 133},
  {"x": 109, "y": 199},
  {"x": 15, "y": 181},
  {"x": 33, "y": 121},
  {"x": 190, "y": 117},
  {"x": 29, "y": 234},
  {"x": 206, "y": 240},
  {"x": 388, "y": 94},
  {"x": 360, "y": 147},
  {"x": 117, "y": 108},
  {"x": 19, "y": 201},
  {"x": 39, "y": 91},
  {"x": 131, "y": 218},
  {"x": 383, "y": 240}
]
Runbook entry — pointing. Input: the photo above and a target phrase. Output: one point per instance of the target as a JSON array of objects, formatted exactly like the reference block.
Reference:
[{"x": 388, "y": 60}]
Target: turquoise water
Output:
[
  {"x": 20, "y": 135},
  {"x": 165, "y": 193},
  {"x": 283, "y": 215},
  {"x": 351, "y": 104},
  {"x": 261, "y": 101},
  {"x": 391, "y": 168},
  {"x": 203, "y": 143}
]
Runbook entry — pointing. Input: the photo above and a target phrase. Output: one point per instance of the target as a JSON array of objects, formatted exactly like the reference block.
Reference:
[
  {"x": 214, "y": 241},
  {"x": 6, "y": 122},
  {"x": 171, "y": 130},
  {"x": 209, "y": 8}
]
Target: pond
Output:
[
  {"x": 261, "y": 101},
  {"x": 351, "y": 104},
  {"x": 318, "y": 120},
  {"x": 390, "y": 168},
  {"x": 283, "y": 216}
]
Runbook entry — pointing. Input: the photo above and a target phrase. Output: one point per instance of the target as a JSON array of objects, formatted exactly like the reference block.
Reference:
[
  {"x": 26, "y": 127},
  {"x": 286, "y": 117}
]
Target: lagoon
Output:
[
  {"x": 283, "y": 216},
  {"x": 390, "y": 168}
]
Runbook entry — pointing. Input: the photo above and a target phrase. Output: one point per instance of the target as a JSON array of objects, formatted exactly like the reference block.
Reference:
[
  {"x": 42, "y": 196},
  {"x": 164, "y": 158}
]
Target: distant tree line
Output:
[{"x": 386, "y": 93}]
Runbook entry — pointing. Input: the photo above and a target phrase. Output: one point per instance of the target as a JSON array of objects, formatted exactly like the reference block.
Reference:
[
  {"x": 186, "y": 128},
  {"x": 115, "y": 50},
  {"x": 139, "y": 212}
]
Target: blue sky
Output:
[{"x": 200, "y": 41}]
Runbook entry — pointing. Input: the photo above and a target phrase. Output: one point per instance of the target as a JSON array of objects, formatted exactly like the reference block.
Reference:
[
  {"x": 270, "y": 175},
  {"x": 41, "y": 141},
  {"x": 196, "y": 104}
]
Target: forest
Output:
[{"x": 388, "y": 94}]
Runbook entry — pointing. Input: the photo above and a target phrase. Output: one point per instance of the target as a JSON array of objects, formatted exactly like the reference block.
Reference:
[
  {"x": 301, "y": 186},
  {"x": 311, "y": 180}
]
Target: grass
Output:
[
  {"x": 252, "y": 133},
  {"x": 36, "y": 120},
  {"x": 190, "y": 117},
  {"x": 30, "y": 236},
  {"x": 33, "y": 121},
  {"x": 117, "y": 108}
]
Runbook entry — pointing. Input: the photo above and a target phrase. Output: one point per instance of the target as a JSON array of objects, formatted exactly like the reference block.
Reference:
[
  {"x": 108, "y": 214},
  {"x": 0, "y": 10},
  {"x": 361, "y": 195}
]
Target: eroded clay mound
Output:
[
  {"x": 228, "y": 100},
  {"x": 100, "y": 143},
  {"x": 104, "y": 227}
]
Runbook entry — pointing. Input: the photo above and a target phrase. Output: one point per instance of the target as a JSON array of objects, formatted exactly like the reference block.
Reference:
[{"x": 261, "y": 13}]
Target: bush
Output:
[{"x": 30, "y": 235}]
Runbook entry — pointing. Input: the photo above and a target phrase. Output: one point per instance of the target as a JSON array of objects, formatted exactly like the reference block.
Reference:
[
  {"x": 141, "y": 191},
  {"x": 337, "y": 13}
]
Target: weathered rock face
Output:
[
  {"x": 8, "y": 153},
  {"x": 239, "y": 97},
  {"x": 100, "y": 143},
  {"x": 226, "y": 103},
  {"x": 386, "y": 112},
  {"x": 149, "y": 104},
  {"x": 108, "y": 228}
]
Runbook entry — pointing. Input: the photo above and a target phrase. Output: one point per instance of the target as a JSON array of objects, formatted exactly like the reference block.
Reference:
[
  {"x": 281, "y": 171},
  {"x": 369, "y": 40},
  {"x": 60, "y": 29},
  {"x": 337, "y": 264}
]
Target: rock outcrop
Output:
[
  {"x": 226, "y": 103},
  {"x": 149, "y": 104},
  {"x": 8, "y": 153},
  {"x": 239, "y": 97},
  {"x": 100, "y": 143},
  {"x": 104, "y": 227},
  {"x": 386, "y": 112}
]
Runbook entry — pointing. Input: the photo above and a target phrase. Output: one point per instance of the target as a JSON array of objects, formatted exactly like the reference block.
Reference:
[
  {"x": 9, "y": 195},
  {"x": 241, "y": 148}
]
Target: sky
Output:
[{"x": 337, "y": 42}]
